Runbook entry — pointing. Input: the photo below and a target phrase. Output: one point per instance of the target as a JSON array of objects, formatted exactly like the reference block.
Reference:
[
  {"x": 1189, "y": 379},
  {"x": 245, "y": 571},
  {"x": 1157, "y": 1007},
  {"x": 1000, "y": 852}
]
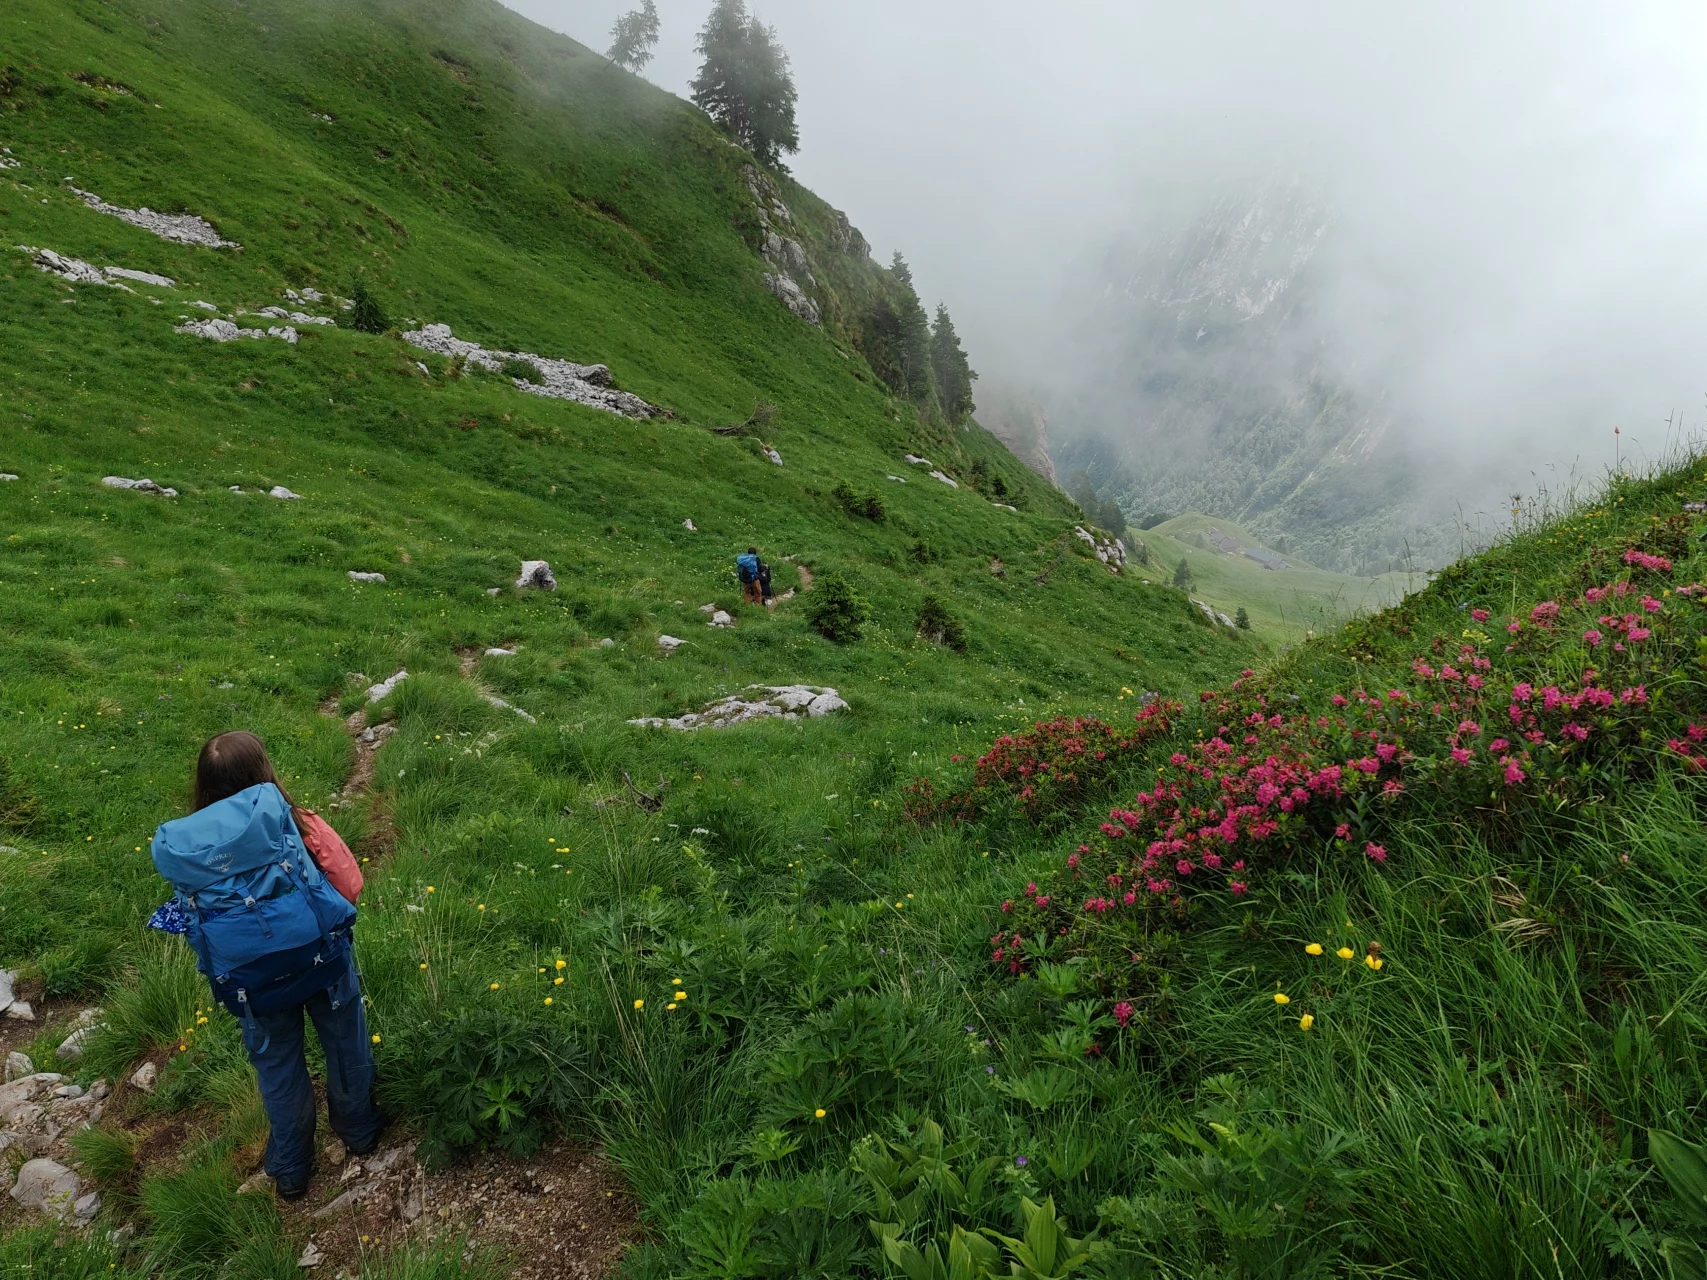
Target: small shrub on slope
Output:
[
  {"x": 936, "y": 624},
  {"x": 836, "y": 612},
  {"x": 365, "y": 315}
]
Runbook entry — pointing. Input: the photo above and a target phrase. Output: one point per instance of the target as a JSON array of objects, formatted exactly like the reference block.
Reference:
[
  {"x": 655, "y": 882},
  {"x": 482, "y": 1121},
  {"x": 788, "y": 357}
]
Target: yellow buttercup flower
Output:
[
  {"x": 639, "y": 1004},
  {"x": 481, "y": 907},
  {"x": 423, "y": 966},
  {"x": 1312, "y": 948},
  {"x": 547, "y": 999},
  {"x": 493, "y": 987},
  {"x": 375, "y": 1037},
  {"x": 1306, "y": 1022},
  {"x": 562, "y": 964},
  {"x": 681, "y": 995},
  {"x": 818, "y": 1114},
  {"x": 1345, "y": 953},
  {"x": 1280, "y": 997},
  {"x": 1374, "y": 962},
  {"x": 671, "y": 1006},
  {"x": 557, "y": 982},
  {"x": 430, "y": 889}
]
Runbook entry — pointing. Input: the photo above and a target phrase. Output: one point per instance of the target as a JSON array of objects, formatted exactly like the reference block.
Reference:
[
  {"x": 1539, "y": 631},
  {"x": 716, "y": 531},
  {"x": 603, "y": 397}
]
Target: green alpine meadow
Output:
[{"x": 400, "y": 380}]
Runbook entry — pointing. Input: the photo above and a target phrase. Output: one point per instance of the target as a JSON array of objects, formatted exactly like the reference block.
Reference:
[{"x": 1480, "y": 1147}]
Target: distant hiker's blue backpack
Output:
[
  {"x": 747, "y": 566},
  {"x": 267, "y": 927}
]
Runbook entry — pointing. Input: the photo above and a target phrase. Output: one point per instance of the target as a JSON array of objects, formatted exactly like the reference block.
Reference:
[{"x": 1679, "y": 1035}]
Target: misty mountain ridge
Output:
[{"x": 1209, "y": 379}]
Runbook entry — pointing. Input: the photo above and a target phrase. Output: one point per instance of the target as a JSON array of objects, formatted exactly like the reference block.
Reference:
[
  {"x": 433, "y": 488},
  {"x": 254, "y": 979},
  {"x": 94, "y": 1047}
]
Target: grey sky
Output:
[{"x": 1521, "y": 188}]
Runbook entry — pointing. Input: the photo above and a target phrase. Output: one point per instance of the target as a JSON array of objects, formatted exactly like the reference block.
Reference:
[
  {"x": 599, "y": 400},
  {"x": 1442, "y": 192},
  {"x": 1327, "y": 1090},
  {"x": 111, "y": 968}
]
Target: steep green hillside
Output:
[
  {"x": 1287, "y": 603},
  {"x": 479, "y": 173},
  {"x": 1073, "y": 953}
]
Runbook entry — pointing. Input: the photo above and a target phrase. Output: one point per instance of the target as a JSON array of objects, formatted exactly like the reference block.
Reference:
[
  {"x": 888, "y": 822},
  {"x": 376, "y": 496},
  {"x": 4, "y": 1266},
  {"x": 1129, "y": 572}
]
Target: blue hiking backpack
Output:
[
  {"x": 747, "y": 566},
  {"x": 267, "y": 927}
]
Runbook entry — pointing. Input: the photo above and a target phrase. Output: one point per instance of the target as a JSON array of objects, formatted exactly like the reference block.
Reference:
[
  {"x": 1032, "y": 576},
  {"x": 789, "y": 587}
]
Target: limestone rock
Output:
[
  {"x": 143, "y": 1077},
  {"x": 141, "y": 277},
  {"x": 790, "y": 702},
  {"x": 6, "y": 475},
  {"x": 498, "y": 702},
  {"x": 357, "y": 576},
  {"x": 7, "y": 978},
  {"x": 182, "y": 228},
  {"x": 311, "y": 1256},
  {"x": 1005, "y": 507},
  {"x": 688, "y": 525},
  {"x": 669, "y": 644},
  {"x": 588, "y": 384},
  {"x": 607, "y": 643},
  {"x": 536, "y": 574},
  {"x": 73, "y": 269},
  {"x": 1110, "y": 551},
  {"x": 721, "y": 619},
  {"x": 204, "y": 306},
  {"x": 385, "y": 686},
  {"x": 500, "y": 653},
  {"x": 792, "y": 296},
  {"x": 20, "y": 1011},
  {"x": 950, "y": 481},
  {"x": 918, "y": 461},
  {"x": 48, "y": 1187},
  {"x": 216, "y": 330},
  {"x": 138, "y": 486},
  {"x": 283, "y": 494},
  {"x": 256, "y": 1184},
  {"x": 773, "y": 455},
  {"x": 18, "y": 1065}
]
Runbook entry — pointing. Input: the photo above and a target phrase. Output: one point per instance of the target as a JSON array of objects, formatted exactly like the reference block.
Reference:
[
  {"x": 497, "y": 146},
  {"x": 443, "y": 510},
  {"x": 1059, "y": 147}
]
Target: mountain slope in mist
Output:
[{"x": 1210, "y": 382}]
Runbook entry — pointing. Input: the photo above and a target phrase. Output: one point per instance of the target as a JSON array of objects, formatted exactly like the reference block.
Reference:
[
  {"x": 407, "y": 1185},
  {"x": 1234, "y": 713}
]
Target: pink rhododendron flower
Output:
[
  {"x": 1480, "y": 615},
  {"x": 1123, "y": 1012},
  {"x": 1375, "y": 852},
  {"x": 1513, "y": 775}
]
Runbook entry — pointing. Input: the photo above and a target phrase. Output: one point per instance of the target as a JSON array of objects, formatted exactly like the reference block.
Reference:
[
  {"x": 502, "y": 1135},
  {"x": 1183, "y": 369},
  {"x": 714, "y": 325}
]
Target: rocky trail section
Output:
[{"x": 588, "y": 384}]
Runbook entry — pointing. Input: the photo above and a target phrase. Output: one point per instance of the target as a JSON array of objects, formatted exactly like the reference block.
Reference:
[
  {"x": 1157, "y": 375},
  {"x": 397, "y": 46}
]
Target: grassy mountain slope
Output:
[
  {"x": 1288, "y": 603},
  {"x": 836, "y": 901},
  {"x": 481, "y": 173}
]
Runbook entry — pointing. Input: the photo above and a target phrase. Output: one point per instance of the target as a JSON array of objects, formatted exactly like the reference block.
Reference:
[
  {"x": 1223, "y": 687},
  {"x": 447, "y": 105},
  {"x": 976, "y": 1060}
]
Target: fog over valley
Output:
[{"x": 1339, "y": 273}]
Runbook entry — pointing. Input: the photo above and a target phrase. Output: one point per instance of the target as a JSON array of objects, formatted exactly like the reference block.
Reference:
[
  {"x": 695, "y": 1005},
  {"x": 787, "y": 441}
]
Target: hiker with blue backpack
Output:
[
  {"x": 266, "y": 898},
  {"x": 747, "y": 569}
]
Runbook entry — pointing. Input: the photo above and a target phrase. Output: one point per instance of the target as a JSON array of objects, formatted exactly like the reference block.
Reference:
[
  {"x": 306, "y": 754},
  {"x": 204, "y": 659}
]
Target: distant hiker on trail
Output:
[
  {"x": 765, "y": 585},
  {"x": 266, "y": 895},
  {"x": 747, "y": 569}
]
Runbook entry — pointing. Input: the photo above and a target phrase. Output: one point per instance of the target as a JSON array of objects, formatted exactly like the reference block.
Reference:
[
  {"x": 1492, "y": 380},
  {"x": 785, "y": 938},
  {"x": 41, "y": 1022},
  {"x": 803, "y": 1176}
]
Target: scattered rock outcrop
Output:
[
  {"x": 283, "y": 494},
  {"x": 225, "y": 331},
  {"x": 763, "y": 701},
  {"x": 73, "y": 269},
  {"x": 536, "y": 574},
  {"x": 719, "y": 618},
  {"x": 6, "y": 475},
  {"x": 182, "y": 228},
  {"x": 588, "y": 384},
  {"x": 918, "y": 461},
  {"x": 772, "y": 454},
  {"x": 669, "y": 644},
  {"x": 357, "y": 576},
  {"x": 7, "y": 161},
  {"x": 1110, "y": 551},
  {"x": 295, "y": 317},
  {"x": 138, "y": 486},
  {"x": 950, "y": 481},
  {"x": 1213, "y": 614}
]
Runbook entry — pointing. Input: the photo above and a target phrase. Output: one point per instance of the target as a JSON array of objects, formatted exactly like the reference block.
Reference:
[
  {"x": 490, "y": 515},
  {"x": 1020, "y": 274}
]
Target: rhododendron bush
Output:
[{"x": 1531, "y": 722}]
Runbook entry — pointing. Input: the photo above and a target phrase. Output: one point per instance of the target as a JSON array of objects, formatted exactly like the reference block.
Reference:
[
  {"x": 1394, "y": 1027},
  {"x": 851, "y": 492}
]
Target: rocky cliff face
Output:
[{"x": 1210, "y": 382}]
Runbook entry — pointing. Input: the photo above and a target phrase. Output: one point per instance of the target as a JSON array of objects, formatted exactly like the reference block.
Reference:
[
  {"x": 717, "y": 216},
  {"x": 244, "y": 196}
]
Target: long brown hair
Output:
[{"x": 233, "y": 762}]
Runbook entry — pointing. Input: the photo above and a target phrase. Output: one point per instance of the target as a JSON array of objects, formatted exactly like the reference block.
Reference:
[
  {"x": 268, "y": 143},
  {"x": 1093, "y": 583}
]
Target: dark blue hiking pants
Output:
[{"x": 277, "y": 1045}]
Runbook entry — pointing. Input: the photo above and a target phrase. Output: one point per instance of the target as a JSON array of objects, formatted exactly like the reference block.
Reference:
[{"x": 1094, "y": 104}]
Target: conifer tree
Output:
[
  {"x": 915, "y": 336},
  {"x": 952, "y": 370},
  {"x": 634, "y": 36},
  {"x": 1242, "y": 620},
  {"x": 1182, "y": 574},
  {"x": 744, "y": 82}
]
